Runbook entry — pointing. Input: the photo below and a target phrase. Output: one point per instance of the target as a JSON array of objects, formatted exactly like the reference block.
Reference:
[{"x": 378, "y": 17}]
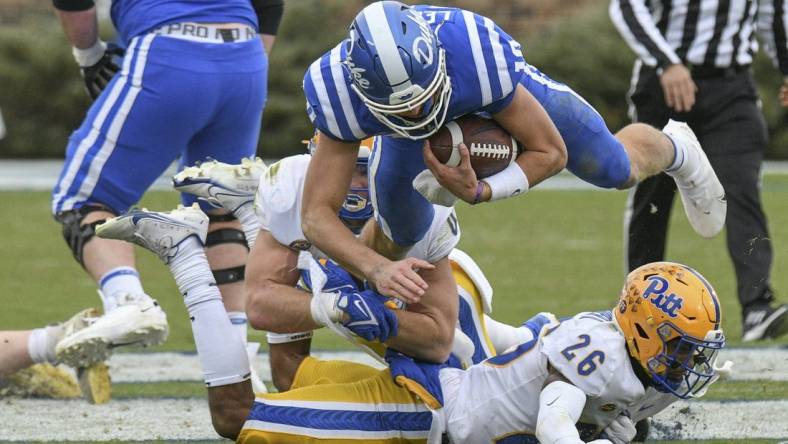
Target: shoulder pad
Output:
[{"x": 478, "y": 278}]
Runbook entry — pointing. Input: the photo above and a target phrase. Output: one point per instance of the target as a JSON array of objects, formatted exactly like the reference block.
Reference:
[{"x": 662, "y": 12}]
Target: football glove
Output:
[
  {"x": 337, "y": 278},
  {"x": 620, "y": 431},
  {"x": 98, "y": 67},
  {"x": 427, "y": 185},
  {"x": 367, "y": 316}
]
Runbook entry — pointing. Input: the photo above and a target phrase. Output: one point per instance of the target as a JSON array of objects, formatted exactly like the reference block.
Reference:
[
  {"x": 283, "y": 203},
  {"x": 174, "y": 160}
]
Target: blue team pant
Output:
[{"x": 173, "y": 98}]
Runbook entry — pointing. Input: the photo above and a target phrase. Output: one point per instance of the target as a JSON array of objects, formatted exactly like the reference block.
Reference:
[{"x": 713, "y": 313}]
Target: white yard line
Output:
[
  {"x": 159, "y": 367},
  {"x": 188, "y": 419},
  {"x": 749, "y": 364}
]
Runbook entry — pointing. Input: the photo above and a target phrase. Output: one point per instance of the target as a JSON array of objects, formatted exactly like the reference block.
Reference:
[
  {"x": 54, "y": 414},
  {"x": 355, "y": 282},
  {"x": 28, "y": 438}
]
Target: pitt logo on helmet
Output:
[{"x": 667, "y": 303}]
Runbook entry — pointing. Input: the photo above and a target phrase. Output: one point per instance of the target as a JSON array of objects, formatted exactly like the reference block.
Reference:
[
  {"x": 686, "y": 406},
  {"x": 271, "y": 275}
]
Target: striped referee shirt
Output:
[{"x": 709, "y": 33}]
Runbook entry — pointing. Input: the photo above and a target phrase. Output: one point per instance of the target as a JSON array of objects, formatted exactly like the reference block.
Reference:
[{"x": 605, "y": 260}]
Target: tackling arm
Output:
[
  {"x": 272, "y": 301},
  {"x": 426, "y": 329}
]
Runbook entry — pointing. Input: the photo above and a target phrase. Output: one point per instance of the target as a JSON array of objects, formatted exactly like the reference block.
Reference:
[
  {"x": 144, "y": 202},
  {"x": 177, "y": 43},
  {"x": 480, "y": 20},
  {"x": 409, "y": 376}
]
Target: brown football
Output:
[{"x": 491, "y": 147}]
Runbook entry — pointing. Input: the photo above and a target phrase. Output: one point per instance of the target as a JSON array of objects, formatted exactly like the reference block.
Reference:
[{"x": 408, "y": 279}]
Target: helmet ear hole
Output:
[
  {"x": 404, "y": 27},
  {"x": 642, "y": 333}
]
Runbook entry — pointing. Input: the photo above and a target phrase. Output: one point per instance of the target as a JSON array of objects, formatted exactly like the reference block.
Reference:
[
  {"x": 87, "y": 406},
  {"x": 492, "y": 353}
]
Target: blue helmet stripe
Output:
[
  {"x": 712, "y": 293},
  {"x": 377, "y": 21}
]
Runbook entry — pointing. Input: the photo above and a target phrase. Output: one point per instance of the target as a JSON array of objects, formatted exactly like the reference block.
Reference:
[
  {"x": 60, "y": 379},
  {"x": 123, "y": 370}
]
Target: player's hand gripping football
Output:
[
  {"x": 98, "y": 74},
  {"x": 461, "y": 180},
  {"x": 400, "y": 279}
]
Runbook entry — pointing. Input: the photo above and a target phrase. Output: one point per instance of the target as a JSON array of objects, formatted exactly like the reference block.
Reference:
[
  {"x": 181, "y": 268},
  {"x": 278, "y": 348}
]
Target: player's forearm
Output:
[
  {"x": 268, "y": 42},
  {"x": 80, "y": 27},
  {"x": 322, "y": 227},
  {"x": 279, "y": 308},
  {"x": 426, "y": 329},
  {"x": 423, "y": 336},
  {"x": 544, "y": 152}
]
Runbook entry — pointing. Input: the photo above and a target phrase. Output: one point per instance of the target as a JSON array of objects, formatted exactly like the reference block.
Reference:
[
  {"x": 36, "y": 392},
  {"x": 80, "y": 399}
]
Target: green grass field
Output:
[{"x": 559, "y": 251}]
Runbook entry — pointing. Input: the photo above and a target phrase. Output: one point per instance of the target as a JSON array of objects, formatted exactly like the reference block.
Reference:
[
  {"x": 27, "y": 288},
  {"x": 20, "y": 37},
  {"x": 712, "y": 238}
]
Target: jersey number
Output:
[{"x": 588, "y": 364}]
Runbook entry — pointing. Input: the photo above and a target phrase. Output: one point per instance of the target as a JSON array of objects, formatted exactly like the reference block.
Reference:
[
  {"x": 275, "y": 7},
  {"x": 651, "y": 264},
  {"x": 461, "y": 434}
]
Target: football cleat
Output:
[
  {"x": 701, "y": 191},
  {"x": 137, "y": 322},
  {"x": 763, "y": 321},
  {"x": 40, "y": 381},
  {"x": 221, "y": 184},
  {"x": 94, "y": 382},
  {"x": 159, "y": 232}
]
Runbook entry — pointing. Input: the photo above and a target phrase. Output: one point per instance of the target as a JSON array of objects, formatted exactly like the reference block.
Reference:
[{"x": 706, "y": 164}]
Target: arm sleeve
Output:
[
  {"x": 560, "y": 406},
  {"x": 269, "y": 15},
  {"x": 73, "y": 5},
  {"x": 771, "y": 26},
  {"x": 634, "y": 22}
]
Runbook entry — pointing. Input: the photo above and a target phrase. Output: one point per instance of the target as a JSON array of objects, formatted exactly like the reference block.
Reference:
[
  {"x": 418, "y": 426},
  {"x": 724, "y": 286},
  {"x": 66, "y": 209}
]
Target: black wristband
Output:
[
  {"x": 269, "y": 15},
  {"x": 73, "y": 5}
]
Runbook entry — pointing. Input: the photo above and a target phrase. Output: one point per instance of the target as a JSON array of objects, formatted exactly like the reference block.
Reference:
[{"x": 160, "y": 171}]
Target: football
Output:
[{"x": 490, "y": 146}]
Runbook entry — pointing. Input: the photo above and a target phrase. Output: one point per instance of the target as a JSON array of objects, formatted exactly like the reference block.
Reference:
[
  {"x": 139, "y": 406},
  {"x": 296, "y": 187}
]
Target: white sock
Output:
[
  {"x": 685, "y": 162},
  {"x": 222, "y": 353},
  {"x": 239, "y": 321},
  {"x": 119, "y": 285},
  {"x": 504, "y": 336},
  {"x": 193, "y": 274},
  {"x": 249, "y": 223},
  {"x": 42, "y": 342}
]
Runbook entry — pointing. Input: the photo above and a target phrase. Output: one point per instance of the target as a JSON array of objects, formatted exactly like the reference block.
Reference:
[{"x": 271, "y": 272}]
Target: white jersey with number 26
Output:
[{"x": 498, "y": 400}]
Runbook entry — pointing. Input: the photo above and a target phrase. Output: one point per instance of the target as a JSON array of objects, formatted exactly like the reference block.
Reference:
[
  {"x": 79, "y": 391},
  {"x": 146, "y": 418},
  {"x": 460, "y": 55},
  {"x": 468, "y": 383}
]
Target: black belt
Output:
[{"x": 713, "y": 72}]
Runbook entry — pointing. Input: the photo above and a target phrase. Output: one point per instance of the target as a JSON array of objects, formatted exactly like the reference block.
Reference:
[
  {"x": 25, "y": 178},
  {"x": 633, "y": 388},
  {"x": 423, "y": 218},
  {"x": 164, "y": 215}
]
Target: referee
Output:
[{"x": 694, "y": 65}]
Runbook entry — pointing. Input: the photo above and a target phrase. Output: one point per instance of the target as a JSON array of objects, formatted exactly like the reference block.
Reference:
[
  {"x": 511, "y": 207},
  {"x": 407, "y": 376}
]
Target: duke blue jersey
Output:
[
  {"x": 500, "y": 397},
  {"x": 136, "y": 17},
  {"x": 484, "y": 64}
]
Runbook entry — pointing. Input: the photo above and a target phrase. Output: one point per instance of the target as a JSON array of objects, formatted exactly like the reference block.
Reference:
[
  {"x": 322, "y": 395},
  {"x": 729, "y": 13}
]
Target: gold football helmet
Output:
[{"x": 670, "y": 317}]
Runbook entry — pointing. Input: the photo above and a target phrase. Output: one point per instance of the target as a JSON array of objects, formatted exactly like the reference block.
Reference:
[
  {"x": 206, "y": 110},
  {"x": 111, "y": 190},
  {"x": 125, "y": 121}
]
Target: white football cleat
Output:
[
  {"x": 221, "y": 184},
  {"x": 138, "y": 322},
  {"x": 701, "y": 191},
  {"x": 159, "y": 232}
]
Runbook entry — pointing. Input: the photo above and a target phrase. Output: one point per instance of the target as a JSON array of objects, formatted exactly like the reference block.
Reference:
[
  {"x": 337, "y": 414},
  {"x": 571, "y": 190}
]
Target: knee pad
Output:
[
  {"x": 227, "y": 236},
  {"x": 75, "y": 233}
]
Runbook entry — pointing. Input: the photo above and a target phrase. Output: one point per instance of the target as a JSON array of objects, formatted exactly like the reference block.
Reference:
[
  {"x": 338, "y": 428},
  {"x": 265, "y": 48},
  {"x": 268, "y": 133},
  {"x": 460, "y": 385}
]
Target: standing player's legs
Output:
[
  {"x": 402, "y": 215},
  {"x": 735, "y": 133},
  {"x": 131, "y": 134}
]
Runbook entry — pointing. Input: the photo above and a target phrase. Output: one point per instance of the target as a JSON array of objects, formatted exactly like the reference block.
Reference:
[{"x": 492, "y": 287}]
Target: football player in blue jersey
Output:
[
  {"x": 191, "y": 85},
  {"x": 405, "y": 70}
]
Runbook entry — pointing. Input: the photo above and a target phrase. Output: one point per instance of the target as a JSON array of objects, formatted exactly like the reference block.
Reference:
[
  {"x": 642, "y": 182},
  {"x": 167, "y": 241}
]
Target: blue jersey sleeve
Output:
[
  {"x": 331, "y": 104},
  {"x": 484, "y": 62}
]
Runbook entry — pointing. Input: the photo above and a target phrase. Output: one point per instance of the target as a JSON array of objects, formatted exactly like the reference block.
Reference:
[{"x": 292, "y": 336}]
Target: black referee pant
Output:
[{"x": 732, "y": 132}]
